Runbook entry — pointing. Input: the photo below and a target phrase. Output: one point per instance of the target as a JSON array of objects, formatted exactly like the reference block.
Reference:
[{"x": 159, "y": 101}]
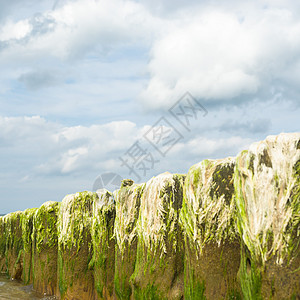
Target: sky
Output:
[{"x": 92, "y": 91}]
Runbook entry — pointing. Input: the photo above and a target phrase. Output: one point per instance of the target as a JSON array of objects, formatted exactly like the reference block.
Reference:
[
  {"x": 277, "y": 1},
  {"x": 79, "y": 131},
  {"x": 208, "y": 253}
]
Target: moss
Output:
[
  {"x": 264, "y": 244},
  {"x": 208, "y": 220},
  {"x": 293, "y": 227},
  {"x": 123, "y": 270},
  {"x": 103, "y": 244},
  {"x": 45, "y": 244},
  {"x": 208, "y": 211},
  {"x": 267, "y": 196},
  {"x": 194, "y": 288},
  {"x": 249, "y": 274},
  {"x": 14, "y": 243},
  {"x": 13, "y": 231},
  {"x": 250, "y": 277},
  {"x": 196, "y": 174},
  {"x": 127, "y": 213},
  {"x": 3, "y": 265},
  {"x": 149, "y": 293},
  {"x": 45, "y": 226},
  {"x": 19, "y": 258},
  {"x": 242, "y": 220},
  {"x": 75, "y": 218},
  {"x": 75, "y": 245},
  {"x": 213, "y": 274},
  {"x": 258, "y": 250},
  {"x": 223, "y": 182},
  {"x": 125, "y": 232},
  {"x": 27, "y": 230},
  {"x": 62, "y": 282},
  {"x": 2, "y": 237},
  {"x": 158, "y": 220},
  {"x": 265, "y": 159},
  {"x": 127, "y": 182},
  {"x": 158, "y": 230}
]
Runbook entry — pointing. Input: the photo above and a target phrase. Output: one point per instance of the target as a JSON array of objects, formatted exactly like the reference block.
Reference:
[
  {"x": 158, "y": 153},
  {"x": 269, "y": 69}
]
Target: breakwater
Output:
[{"x": 228, "y": 229}]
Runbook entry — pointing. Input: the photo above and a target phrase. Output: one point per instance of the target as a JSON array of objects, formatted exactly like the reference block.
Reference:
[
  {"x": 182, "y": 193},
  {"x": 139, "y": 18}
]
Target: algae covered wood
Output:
[
  {"x": 45, "y": 248},
  {"x": 125, "y": 231},
  {"x": 208, "y": 220},
  {"x": 14, "y": 244},
  {"x": 3, "y": 267},
  {"x": 267, "y": 195},
  {"x": 27, "y": 230},
  {"x": 75, "y": 273},
  {"x": 159, "y": 263},
  {"x": 103, "y": 244}
]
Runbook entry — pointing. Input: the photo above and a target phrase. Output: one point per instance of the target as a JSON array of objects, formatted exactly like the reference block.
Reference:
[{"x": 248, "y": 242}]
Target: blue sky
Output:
[{"x": 82, "y": 81}]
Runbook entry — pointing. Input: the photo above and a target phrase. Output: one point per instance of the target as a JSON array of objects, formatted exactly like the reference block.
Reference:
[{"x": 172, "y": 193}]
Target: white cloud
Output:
[
  {"x": 221, "y": 56},
  {"x": 51, "y": 149},
  {"x": 77, "y": 28},
  {"x": 18, "y": 30},
  {"x": 15, "y": 131},
  {"x": 81, "y": 148},
  {"x": 217, "y": 52}
]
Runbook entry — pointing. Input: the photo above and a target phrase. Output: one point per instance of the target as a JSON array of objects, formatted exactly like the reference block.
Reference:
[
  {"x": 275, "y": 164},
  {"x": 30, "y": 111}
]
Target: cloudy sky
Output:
[{"x": 88, "y": 87}]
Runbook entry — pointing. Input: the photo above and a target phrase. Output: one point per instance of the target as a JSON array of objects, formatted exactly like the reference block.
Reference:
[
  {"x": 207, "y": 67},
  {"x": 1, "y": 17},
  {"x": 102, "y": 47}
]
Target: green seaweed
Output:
[
  {"x": 45, "y": 226},
  {"x": 74, "y": 221},
  {"x": 45, "y": 247},
  {"x": 125, "y": 233},
  {"x": 250, "y": 277},
  {"x": 103, "y": 243},
  {"x": 75, "y": 245},
  {"x": 208, "y": 211},
  {"x": 2, "y": 238},
  {"x": 158, "y": 236},
  {"x": 62, "y": 282},
  {"x": 148, "y": 293},
  {"x": 194, "y": 287},
  {"x": 13, "y": 232},
  {"x": 267, "y": 242},
  {"x": 124, "y": 263},
  {"x": 27, "y": 230},
  {"x": 14, "y": 242}
]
